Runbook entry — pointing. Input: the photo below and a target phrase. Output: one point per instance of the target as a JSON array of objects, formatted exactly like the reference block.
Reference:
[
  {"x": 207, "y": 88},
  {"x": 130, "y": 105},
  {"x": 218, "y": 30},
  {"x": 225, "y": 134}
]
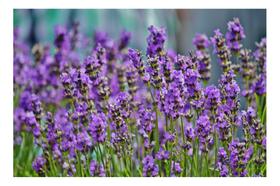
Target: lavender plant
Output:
[{"x": 119, "y": 111}]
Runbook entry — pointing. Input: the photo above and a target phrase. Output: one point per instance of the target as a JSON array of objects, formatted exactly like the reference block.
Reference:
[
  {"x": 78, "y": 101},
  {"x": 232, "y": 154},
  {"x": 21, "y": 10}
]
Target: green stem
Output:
[
  {"x": 115, "y": 166},
  {"x": 170, "y": 147},
  {"x": 156, "y": 130},
  {"x": 216, "y": 150},
  {"x": 101, "y": 155},
  {"x": 195, "y": 153},
  {"x": 166, "y": 123},
  {"x": 52, "y": 166},
  {"x": 193, "y": 159},
  {"x": 206, "y": 162},
  {"x": 263, "y": 118},
  {"x": 200, "y": 164},
  {"x": 80, "y": 167},
  {"x": 185, "y": 153}
]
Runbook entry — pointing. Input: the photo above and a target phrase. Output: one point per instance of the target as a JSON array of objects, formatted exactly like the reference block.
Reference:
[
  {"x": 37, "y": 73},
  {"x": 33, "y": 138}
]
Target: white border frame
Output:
[{"x": 6, "y": 84}]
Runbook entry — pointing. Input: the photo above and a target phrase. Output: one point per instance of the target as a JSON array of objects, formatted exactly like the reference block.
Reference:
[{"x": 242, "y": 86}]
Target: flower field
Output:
[{"x": 104, "y": 109}]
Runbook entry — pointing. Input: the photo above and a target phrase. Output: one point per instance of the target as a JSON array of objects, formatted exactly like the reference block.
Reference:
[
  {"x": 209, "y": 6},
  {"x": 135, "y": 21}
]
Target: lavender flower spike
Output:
[
  {"x": 156, "y": 41},
  {"x": 234, "y": 35},
  {"x": 149, "y": 167},
  {"x": 221, "y": 49},
  {"x": 201, "y": 43}
]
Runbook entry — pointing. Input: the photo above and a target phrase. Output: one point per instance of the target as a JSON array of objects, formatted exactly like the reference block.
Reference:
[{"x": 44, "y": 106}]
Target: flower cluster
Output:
[
  {"x": 234, "y": 35},
  {"x": 149, "y": 166},
  {"x": 112, "y": 110},
  {"x": 221, "y": 49},
  {"x": 156, "y": 41},
  {"x": 203, "y": 132},
  {"x": 202, "y": 43}
]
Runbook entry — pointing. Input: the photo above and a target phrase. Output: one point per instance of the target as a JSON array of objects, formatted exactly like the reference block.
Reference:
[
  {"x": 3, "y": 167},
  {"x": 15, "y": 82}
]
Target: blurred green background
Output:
[{"x": 181, "y": 24}]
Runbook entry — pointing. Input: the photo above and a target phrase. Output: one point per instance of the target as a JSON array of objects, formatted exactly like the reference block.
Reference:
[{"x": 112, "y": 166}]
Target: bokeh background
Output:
[{"x": 181, "y": 25}]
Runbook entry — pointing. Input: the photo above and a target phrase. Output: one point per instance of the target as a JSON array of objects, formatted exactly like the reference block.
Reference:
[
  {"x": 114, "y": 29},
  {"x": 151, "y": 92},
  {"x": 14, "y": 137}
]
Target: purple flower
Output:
[
  {"x": 248, "y": 71},
  {"x": 81, "y": 112},
  {"x": 162, "y": 154},
  {"x": 229, "y": 86},
  {"x": 19, "y": 119},
  {"x": 103, "y": 89},
  {"x": 191, "y": 77},
  {"x": 67, "y": 79},
  {"x": 25, "y": 99},
  {"x": 97, "y": 127},
  {"x": 83, "y": 141},
  {"x": 173, "y": 98},
  {"x": 222, "y": 154},
  {"x": 188, "y": 65},
  {"x": 51, "y": 129},
  {"x": 183, "y": 62},
  {"x": 145, "y": 122},
  {"x": 239, "y": 157},
  {"x": 136, "y": 59},
  {"x": 172, "y": 55},
  {"x": 223, "y": 126},
  {"x": 69, "y": 141},
  {"x": 124, "y": 39},
  {"x": 222, "y": 162},
  {"x": 260, "y": 55},
  {"x": 80, "y": 81},
  {"x": 131, "y": 77},
  {"x": 212, "y": 97},
  {"x": 38, "y": 165},
  {"x": 149, "y": 167},
  {"x": 166, "y": 68},
  {"x": 56, "y": 149},
  {"x": 154, "y": 71},
  {"x": 221, "y": 49},
  {"x": 201, "y": 41},
  {"x": 61, "y": 38},
  {"x": 155, "y": 41},
  {"x": 119, "y": 112},
  {"x": 76, "y": 81},
  {"x": 74, "y": 35},
  {"x": 260, "y": 85},
  {"x": 234, "y": 35},
  {"x": 32, "y": 124},
  {"x": 122, "y": 105},
  {"x": 189, "y": 133},
  {"x": 175, "y": 168},
  {"x": 69, "y": 167},
  {"x": 167, "y": 137},
  {"x": 252, "y": 127},
  {"x": 92, "y": 167},
  {"x": 119, "y": 83},
  {"x": 96, "y": 169},
  {"x": 247, "y": 66},
  {"x": 22, "y": 67},
  {"x": 102, "y": 39},
  {"x": 229, "y": 95},
  {"x": 264, "y": 142},
  {"x": 203, "y": 131},
  {"x": 204, "y": 65},
  {"x": 94, "y": 63}
]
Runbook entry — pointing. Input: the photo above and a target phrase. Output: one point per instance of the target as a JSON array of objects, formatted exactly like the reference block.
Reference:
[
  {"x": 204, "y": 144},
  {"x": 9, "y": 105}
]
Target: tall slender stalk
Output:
[{"x": 185, "y": 152}]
